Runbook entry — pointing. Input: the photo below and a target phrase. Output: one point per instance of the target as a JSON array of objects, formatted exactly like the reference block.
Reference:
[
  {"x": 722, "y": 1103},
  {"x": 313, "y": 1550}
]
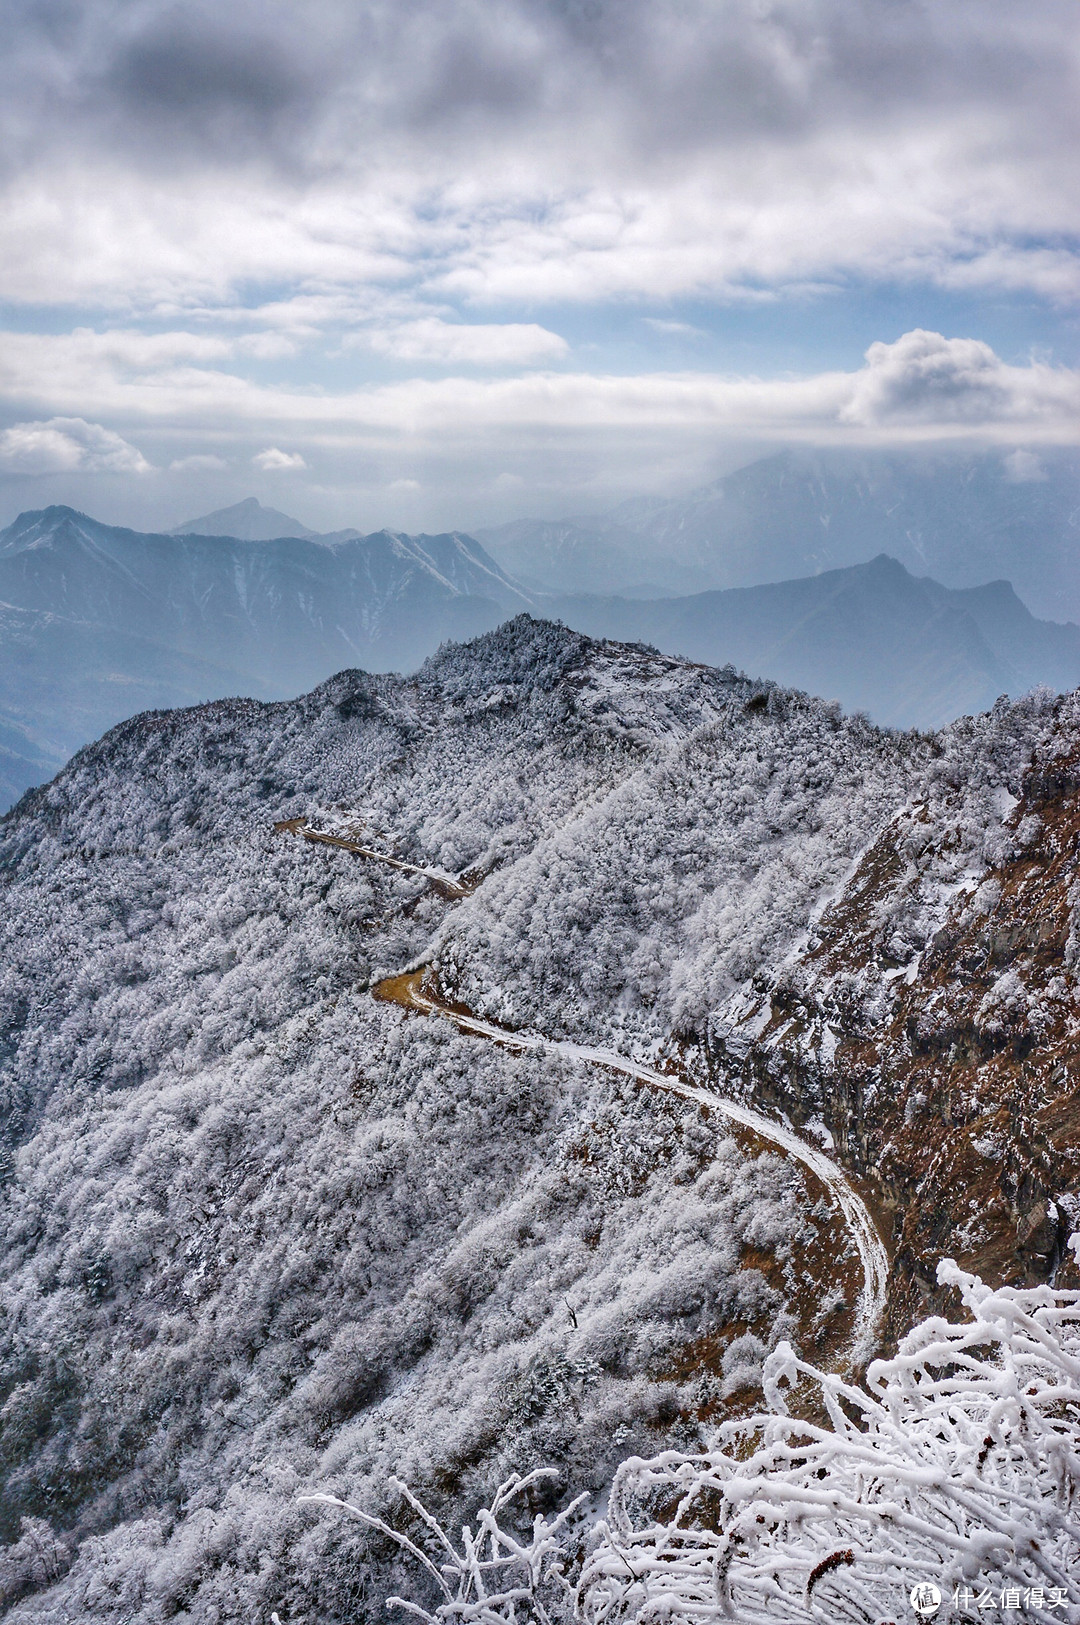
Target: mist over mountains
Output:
[
  {"x": 100, "y": 623},
  {"x": 962, "y": 518},
  {"x": 889, "y": 591}
]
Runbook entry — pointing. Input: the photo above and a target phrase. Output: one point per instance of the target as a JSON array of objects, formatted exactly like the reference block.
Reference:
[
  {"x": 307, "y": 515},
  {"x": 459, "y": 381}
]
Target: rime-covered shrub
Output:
[{"x": 957, "y": 1464}]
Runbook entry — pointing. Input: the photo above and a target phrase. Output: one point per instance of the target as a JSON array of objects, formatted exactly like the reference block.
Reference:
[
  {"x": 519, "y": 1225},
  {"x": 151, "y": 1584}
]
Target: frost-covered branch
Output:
[
  {"x": 958, "y": 1463},
  {"x": 498, "y": 1577}
]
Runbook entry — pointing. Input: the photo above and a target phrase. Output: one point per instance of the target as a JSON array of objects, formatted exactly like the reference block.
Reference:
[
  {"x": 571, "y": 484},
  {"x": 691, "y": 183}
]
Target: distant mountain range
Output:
[
  {"x": 908, "y": 650},
  {"x": 98, "y": 623},
  {"x": 962, "y": 518}
]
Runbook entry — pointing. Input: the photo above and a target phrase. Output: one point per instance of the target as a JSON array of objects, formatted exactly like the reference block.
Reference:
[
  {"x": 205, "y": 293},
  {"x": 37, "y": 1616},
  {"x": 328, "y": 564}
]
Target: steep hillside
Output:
[
  {"x": 945, "y": 973},
  {"x": 875, "y": 936},
  {"x": 263, "y": 1232}
]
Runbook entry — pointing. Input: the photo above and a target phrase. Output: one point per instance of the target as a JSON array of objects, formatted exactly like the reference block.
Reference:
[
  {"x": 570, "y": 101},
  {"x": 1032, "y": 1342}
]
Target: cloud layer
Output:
[
  {"x": 314, "y": 230},
  {"x": 923, "y": 385},
  {"x": 433, "y": 451},
  {"x": 503, "y": 150}
]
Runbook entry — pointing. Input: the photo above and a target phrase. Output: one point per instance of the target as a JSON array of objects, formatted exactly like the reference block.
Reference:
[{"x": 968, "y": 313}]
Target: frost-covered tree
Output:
[{"x": 956, "y": 1465}]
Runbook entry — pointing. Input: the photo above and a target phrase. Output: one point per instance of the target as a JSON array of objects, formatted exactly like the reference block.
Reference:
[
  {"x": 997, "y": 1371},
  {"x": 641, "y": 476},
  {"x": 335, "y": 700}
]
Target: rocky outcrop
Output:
[{"x": 936, "y": 1038}]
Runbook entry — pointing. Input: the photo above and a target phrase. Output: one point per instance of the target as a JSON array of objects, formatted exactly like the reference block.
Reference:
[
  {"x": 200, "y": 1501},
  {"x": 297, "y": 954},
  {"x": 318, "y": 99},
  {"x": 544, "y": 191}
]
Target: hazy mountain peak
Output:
[
  {"x": 248, "y": 521},
  {"x": 962, "y": 518}
]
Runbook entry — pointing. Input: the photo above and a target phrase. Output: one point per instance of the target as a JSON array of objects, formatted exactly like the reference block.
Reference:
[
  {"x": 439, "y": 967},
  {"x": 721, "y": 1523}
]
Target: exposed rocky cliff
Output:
[{"x": 930, "y": 1022}]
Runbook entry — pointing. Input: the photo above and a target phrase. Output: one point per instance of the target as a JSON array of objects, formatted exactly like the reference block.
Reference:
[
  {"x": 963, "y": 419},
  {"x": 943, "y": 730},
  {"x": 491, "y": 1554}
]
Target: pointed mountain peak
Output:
[{"x": 248, "y": 521}]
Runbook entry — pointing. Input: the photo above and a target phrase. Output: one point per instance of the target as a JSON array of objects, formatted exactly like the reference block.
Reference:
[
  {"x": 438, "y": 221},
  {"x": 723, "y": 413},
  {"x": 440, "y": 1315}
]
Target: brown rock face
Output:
[{"x": 931, "y": 1024}]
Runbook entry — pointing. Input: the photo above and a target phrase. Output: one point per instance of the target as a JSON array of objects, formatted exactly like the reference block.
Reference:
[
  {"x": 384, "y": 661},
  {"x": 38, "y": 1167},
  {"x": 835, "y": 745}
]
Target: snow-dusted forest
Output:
[{"x": 266, "y": 1236}]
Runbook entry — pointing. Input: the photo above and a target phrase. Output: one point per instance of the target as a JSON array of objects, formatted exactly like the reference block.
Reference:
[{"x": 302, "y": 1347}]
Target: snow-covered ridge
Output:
[{"x": 261, "y": 1234}]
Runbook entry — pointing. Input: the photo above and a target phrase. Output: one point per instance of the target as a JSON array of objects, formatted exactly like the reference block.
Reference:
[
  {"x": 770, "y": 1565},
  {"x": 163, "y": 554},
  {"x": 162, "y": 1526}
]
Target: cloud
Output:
[
  {"x": 920, "y": 387},
  {"x": 535, "y": 149},
  {"x": 926, "y": 378},
  {"x": 203, "y": 81},
  {"x": 66, "y": 446},
  {"x": 199, "y": 463},
  {"x": 266, "y": 346},
  {"x": 1023, "y": 468},
  {"x": 672, "y": 329},
  {"x": 274, "y": 461},
  {"x": 489, "y": 344}
]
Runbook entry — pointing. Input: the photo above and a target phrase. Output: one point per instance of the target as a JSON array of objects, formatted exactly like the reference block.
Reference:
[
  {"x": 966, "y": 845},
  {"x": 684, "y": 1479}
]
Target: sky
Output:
[{"x": 445, "y": 262}]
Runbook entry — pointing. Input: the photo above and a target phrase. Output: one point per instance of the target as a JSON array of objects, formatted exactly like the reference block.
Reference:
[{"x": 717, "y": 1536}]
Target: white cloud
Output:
[
  {"x": 926, "y": 378},
  {"x": 488, "y": 344},
  {"x": 267, "y": 346},
  {"x": 920, "y": 387},
  {"x": 274, "y": 461},
  {"x": 199, "y": 463},
  {"x": 404, "y": 485},
  {"x": 681, "y": 330},
  {"x": 67, "y": 446},
  {"x": 148, "y": 352}
]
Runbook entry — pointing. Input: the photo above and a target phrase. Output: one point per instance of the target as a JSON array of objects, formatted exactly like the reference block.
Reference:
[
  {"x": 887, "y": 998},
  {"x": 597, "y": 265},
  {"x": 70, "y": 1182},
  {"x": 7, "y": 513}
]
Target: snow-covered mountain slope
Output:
[
  {"x": 264, "y": 1233},
  {"x": 963, "y": 518},
  {"x": 165, "y": 620},
  {"x": 913, "y": 653}
]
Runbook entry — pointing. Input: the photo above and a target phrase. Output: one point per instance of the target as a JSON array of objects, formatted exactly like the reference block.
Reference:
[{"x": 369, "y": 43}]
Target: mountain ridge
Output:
[
  {"x": 272, "y": 617},
  {"x": 912, "y": 652},
  {"x": 290, "y": 610},
  {"x": 266, "y": 1234},
  {"x": 962, "y": 518}
]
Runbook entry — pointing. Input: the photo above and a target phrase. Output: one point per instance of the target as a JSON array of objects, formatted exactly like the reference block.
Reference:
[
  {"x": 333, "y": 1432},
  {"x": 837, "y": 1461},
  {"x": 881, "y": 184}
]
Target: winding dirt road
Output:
[
  {"x": 451, "y": 887},
  {"x": 412, "y": 991}
]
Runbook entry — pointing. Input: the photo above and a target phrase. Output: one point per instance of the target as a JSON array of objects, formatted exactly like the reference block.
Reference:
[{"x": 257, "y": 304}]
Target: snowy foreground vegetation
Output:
[
  {"x": 263, "y": 1237},
  {"x": 957, "y": 1466}
]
